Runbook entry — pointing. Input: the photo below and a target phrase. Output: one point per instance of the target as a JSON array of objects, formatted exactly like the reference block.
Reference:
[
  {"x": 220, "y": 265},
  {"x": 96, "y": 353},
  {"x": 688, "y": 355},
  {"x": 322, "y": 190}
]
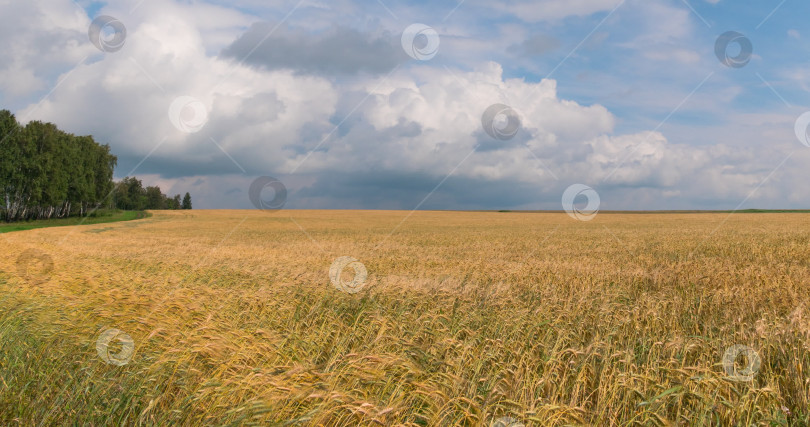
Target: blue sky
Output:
[{"x": 625, "y": 97}]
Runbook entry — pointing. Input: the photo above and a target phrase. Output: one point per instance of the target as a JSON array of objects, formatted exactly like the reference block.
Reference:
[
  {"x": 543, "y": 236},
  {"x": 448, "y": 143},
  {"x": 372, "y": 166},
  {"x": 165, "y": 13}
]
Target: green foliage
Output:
[
  {"x": 130, "y": 194},
  {"x": 173, "y": 203},
  {"x": 103, "y": 213},
  {"x": 155, "y": 199},
  {"x": 186, "y": 201},
  {"x": 101, "y": 216},
  {"x": 46, "y": 173}
]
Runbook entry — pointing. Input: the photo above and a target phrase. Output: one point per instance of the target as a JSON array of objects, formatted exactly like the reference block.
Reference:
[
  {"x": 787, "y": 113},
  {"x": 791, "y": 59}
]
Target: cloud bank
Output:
[{"x": 337, "y": 111}]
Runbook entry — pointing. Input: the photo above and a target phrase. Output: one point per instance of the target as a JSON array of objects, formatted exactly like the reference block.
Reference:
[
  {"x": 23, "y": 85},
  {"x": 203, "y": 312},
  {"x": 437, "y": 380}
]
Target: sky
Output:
[{"x": 391, "y": 104}]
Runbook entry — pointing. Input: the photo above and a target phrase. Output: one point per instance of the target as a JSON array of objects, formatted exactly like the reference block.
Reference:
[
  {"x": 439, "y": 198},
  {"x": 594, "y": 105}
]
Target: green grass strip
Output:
[{"x": 100, "y": 218}]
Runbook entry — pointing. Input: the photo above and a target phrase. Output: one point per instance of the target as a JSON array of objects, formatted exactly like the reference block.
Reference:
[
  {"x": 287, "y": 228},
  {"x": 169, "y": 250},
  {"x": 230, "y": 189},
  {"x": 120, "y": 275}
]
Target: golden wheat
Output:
[{"x": 465, "y": 319}]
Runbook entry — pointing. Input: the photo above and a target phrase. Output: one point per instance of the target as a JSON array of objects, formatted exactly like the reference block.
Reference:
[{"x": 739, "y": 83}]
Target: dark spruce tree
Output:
[{"x": 187, "y": 201}]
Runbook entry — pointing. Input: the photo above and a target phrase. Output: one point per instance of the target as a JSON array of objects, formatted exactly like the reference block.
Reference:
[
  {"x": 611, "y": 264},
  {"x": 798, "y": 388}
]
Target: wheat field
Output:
[{"x": 473, "y": 318}]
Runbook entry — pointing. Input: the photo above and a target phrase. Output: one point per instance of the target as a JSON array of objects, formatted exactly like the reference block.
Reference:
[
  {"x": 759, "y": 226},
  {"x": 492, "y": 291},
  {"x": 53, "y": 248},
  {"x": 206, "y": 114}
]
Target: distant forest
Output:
[{"x": 47, "y": 173}]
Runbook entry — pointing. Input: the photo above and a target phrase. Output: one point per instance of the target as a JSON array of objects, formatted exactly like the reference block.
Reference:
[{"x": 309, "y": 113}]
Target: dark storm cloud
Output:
[
  {"x": 398, "y": 190},
  {"x": 168, "y": 167},
  {"x": 337, "y": 51}
]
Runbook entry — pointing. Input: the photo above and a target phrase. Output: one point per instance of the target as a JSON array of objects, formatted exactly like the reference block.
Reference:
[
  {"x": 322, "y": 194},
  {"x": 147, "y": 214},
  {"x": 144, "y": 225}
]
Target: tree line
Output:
[
  {"x": 47, "y": 173},
  {"x": 130, "y": 194}
]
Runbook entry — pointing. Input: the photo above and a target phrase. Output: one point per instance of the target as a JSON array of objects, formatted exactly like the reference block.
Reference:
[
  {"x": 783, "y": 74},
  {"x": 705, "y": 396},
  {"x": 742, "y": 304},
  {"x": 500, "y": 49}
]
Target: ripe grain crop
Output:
[{"x": 465, "y": 318}]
